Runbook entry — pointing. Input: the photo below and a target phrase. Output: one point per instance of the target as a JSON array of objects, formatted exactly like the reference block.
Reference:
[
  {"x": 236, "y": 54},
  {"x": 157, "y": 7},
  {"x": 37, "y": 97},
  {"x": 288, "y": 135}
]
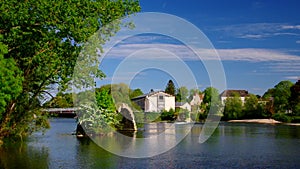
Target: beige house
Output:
[
  {"x": 197, "y": 99},
  {"x": 155, "y": 101},
  {"x": 230, "y": 93},
  {"x": 182, "y": 105}
]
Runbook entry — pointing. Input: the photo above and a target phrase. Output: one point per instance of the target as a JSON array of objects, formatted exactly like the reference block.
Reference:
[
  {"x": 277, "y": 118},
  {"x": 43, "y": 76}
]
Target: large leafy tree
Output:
[
  {"x": 253, "y": 108},
  {"x": 295, "y": 98},
  {"x": 211, "y": 99},
  {"x": 61, "y": 100},
  {"x": 281, "y": 96},
  {"x": 10, "y": 81},
  {"x": 44, "y": 39},
  {"x": 182, "y": 94},
  {"x": 233, "y": 108}
]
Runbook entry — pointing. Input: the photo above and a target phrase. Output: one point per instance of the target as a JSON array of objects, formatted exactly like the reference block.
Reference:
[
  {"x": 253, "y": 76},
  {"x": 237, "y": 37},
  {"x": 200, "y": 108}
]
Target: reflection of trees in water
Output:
[
  {"x": 90, "y": 155},
  {"x": 18, "y": 155}
]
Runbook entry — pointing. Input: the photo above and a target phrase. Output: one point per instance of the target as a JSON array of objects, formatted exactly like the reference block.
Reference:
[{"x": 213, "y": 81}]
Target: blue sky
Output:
[{"x": 258, "y": 43}]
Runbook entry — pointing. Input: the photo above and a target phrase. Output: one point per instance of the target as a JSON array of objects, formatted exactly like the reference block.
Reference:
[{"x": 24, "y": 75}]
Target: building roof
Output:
[
  {"x": 150, "y": 94},
  {"x": 178, "y": 104},
  {"x": 231, "y": 93}
]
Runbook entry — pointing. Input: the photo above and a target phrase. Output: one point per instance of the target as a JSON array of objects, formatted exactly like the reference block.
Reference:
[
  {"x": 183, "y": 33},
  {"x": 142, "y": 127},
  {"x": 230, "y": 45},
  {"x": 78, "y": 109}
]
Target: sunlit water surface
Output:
[{"x": 231, "y": 146}]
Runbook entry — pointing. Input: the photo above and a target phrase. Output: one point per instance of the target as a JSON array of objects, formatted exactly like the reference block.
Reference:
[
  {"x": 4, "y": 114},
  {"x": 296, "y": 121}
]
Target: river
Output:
[{"x": 233, "y": 145}]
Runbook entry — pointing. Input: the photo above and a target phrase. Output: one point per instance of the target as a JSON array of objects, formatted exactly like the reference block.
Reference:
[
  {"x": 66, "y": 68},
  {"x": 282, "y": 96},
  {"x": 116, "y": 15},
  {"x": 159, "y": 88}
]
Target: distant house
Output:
[
  {"x": 183, "y": 105},
  {"x": 197, "y": 99},
  {"x": 155, "y": 101},
  {"x": 230, "y": 93}
]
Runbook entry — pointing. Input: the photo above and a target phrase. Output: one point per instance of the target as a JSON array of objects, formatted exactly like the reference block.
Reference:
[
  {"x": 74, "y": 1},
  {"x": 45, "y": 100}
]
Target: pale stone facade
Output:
[{"x": 155, "y": 101}]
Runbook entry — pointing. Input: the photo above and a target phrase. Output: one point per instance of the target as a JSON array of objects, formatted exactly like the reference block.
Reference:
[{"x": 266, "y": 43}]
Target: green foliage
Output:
[
  {"x": 44, "y": 39},
  {"x": 269, "y": 93},
  {"x": 211, "y": 100},
  {"x": 251, "y": 107},
  {"x": 281, "y": 96},
  {"x": 170, "y": 89},
  {"x": 295, "y": 98},
  {"x": 196, "y": 117},
  {"x": 254, "y": 109},
  {"x": 61, "y": 100},
  {"x": 120, "y": 93},
  {"x": 282, "y": 117},
  {"x": 104, "y": 100},
  {"x": 182, "y": 94},
  {"x": 211, "y": 94},
  {"x": 152, "y": 117},
  {"x": 10, "y": 80},
  {"x": 104, "y": 118},
  {"x": 233, "y": 108},
  {"x": 135, "y": 93},
  {"x": 96, "y": 120},
  {"x": 295, "y": 119},
  {"x": 168, "y": 115}
]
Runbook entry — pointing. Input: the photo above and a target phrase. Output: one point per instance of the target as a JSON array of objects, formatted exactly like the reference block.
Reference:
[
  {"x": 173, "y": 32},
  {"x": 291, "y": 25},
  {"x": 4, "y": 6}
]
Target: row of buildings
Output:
[{"x": 157, "y": 101}]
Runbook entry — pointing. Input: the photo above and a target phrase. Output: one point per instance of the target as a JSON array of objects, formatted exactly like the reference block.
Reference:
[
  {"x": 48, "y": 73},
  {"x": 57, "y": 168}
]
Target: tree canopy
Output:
[
  {"x": 295, "y": 98},
  {"x": 41, "y": 42},
  {"x": 281, "y": 96},
  {"x": 233, "y": 108},
  {"x": 182, "y": 94},
  {"x": 170, "y": 89}
]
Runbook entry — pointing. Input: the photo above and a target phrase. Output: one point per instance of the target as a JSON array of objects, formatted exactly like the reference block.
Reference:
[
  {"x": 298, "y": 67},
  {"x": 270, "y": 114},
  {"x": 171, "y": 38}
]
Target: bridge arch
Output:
[{"x": 128, "y": 117}]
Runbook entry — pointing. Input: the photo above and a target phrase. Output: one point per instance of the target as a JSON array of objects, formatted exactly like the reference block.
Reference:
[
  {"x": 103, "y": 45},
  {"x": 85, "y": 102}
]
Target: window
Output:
[{"x": 160, "y": 98}]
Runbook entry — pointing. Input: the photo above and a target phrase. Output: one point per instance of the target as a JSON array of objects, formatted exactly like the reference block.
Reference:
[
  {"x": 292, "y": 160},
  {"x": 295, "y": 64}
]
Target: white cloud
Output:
[
  {"x": 252, "y": 36},
  {"x": 259, "y": 30},
  {"x": 256, "y": 55},
  {"x": 185, "y": 53},
  {"x": 290, "y": 26},
  {"x": 298, "y": 41},
  {"x": 293, "y": 77}
]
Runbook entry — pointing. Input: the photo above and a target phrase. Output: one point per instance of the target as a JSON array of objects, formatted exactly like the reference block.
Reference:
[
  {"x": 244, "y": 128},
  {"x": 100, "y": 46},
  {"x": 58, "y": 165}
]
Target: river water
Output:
[{"x": 231, "y": 146}]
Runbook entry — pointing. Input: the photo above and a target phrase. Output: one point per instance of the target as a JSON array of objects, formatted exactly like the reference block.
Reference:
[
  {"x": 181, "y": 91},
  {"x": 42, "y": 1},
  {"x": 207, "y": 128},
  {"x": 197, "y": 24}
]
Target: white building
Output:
[
  {"x": 155, "y": 101},
  {"x": 230, "y": 93},
  {"x": 197, "y": 99},
  {"x": 182, "y": 105}
]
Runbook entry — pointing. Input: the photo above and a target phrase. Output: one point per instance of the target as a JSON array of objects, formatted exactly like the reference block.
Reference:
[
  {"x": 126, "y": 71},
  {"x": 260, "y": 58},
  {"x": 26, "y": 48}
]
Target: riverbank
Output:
[{"x": 262, "y": 121}]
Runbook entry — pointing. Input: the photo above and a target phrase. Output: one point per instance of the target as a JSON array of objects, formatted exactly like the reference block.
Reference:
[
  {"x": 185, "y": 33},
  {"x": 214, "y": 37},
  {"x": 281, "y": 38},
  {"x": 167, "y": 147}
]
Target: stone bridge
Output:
[{"x": 128, "y": 117}]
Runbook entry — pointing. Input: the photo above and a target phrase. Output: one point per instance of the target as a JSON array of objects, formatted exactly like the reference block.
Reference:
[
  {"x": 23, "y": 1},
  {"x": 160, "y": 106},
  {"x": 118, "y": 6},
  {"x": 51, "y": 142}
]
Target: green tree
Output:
[
  {"x": 104, "y": 100},
  {"x": 61, "y": 100},
  {"x": 182, "y": 94},
  {"x": 211, "y": 99},
  {"x": 170, "y": 89},
  {"x": 251, "y": 107},
  {"x": 11, "y": 81},
  {"x": 44, "y": 39},
  {"x": 295, "y": 98},
  {"x": 211, "y": 94},
  {"x": 281, "y": 96},
  {"x": 233, "y": 108},
  {"x": 135, "y": 93}
]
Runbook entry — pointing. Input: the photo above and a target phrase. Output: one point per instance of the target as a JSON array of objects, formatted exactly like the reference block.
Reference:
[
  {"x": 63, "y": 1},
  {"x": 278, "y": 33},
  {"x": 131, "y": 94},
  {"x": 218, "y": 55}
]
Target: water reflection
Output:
[
  {"x": 156, "y": 138},
  {"x": 231, "y": 146},
  {"x": 17, "y": 155}
]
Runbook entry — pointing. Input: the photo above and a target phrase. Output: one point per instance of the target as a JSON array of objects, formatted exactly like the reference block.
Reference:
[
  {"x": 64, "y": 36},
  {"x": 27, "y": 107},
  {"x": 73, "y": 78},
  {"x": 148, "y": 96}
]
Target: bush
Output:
[
  {"x": 168, "y": 115},
  {"x": 296, "y": 119},
  {"x": 282, "y": 117}
]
